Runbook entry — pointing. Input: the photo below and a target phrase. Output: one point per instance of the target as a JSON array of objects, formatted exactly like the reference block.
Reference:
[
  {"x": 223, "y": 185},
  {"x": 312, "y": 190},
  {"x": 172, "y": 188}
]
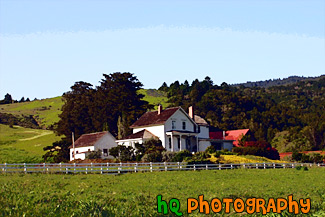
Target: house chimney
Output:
[
  {"x": 191, "y": 112},
  {"x": 159, "y": 109}
]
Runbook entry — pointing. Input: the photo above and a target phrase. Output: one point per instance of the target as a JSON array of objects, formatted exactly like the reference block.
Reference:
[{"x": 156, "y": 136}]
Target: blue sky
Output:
[{"x": 46, "y": 46}]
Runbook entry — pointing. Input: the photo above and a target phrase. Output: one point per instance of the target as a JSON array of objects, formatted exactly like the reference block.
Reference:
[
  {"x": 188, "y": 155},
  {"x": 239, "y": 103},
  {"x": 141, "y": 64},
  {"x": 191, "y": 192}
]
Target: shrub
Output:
[
  {"x": 167, "y": 156},
  {"x": 259, "y": 150},
  {"x": 122, "y": 153},
  {"x": 181, "y": 155},
  {"x": 152, "y": 157},
  {"x": 211, "y": 149},
  {"x": 94, "y": 154}
]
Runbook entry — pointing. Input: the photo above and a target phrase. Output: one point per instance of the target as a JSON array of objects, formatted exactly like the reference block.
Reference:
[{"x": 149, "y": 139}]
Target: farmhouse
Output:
[
  {"x": 177, "y": 130},
  {"x": 92, "y": 142}
]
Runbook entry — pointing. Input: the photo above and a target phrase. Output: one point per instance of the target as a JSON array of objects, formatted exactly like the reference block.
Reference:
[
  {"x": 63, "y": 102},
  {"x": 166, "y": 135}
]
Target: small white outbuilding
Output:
[{"x": 92, "y": 142}]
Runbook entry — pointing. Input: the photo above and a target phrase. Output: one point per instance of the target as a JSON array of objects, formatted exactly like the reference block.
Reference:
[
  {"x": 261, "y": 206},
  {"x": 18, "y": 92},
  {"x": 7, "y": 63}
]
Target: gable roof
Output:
[
  {"x": 152, "y": 118},
  {"x": 229, "y": 135},
  {"x": 143, "y": 134},
  {"x": 88, "y": 139},
  {"x": 200, "y": 121}
]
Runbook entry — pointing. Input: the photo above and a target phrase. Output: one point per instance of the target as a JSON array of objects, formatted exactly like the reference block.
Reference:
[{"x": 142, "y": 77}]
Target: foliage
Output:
[
  {"x": 58, "y": 151},
  {"x": 23, "y": 121},
  {"x": 152, "y": 157},
  {"x": 94, "y": 154},
  {"x": 307, "y": 158},
  {"x": 181, "y": 155},
  {"x": 167, "y": 156},
  {"x": 123, "y": 153},
  {"x": 259, "y": 148}
]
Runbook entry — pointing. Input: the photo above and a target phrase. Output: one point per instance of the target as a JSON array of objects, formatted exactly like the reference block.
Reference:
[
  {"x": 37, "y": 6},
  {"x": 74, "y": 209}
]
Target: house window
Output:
[
  {"x": 105, "y": 152},
  {"x": 77, "y": 152},
  {"x": 173, "y": 125},
  {"x": 88, "y": 149},
  {"x": 184, "y": 125},
  {"x": 170, "y": 143}
]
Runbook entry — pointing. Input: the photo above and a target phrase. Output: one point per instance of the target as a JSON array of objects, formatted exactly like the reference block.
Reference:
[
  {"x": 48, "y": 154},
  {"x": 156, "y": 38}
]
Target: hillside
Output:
[
  {"x": 24, "y": 145},
  {"x": 46, "y": 111},
  {"x": 278, "y": 82}
]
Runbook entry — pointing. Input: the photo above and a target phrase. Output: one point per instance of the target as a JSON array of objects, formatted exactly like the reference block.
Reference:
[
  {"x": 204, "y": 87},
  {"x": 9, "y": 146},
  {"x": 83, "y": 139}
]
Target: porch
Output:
[{"x": 182, "y": 140}]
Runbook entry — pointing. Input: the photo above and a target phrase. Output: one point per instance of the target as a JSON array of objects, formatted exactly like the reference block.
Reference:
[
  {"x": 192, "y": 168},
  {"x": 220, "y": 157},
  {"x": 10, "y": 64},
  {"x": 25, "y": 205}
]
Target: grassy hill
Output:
[
  {"x": 26, "y": 145},
  {"x": 46, "y": 111}
]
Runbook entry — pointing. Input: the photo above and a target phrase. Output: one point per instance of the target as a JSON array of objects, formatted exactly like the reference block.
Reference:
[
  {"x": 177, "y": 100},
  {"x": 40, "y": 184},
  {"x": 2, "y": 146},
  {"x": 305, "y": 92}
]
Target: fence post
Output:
[
  {"x": 120, "y": 167},
  {"x": 25, "y": 169},
  {"x": 178, "y": 166},
  {"x": 165, "y": 166},
  {"x": 206, "y": 166},
  {"x": 273, "y": 165},
  {"x": 135, "y": 167},
  {"x": 60, "y": 166},
  {"x": 264, "y": 165},
  {"x": 66, "y": 169},
  {"x": 231, "y": 166},
  {"x": 244, "y": 165},
  {"x": 74, "y": 167},
  {"x": 194, "y": 167},
  {"x": 4, "y": 169},
  {"x": 219, "y": 167},
  {"x": 44, "y": 167},
  {"x": 107, "y": 166},
  {"x": 293, "y": 166},
  {"x": 101, "y": 168},
  {"x": 318, "y": 164},
  {"x": 86, "y": 169},
  {"x": 150, "y": 166},
  {"x": 256, "y": 166},
  {"x": 91, "y": 167}
]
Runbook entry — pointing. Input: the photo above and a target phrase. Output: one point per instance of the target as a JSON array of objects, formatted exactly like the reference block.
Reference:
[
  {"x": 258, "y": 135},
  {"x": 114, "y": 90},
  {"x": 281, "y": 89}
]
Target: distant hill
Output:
[
  {"x": 46, "y": 111},
  {"x": 278, "y": 82}
]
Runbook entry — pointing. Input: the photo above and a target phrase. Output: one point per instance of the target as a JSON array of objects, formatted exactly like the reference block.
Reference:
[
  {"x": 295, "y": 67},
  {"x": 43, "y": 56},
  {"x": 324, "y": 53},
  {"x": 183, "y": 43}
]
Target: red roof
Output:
[
  {"x": 88, "y": 139},
  {"x": 152, "y": 118},
  {"x": 229, "y": 135}
]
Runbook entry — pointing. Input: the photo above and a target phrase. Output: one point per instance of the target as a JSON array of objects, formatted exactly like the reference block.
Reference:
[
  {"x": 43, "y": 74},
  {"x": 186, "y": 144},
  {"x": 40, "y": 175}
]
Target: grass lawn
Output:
[
  {"x": 24, "y": 145},
  {"x": 135, "y": 194}
]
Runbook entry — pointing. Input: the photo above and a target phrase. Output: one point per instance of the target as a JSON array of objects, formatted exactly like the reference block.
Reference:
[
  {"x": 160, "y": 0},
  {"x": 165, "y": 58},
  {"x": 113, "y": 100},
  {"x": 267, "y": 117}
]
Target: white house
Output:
[
  {"x": 177, "y": 130},
  {"x": 92, "y": 142}
]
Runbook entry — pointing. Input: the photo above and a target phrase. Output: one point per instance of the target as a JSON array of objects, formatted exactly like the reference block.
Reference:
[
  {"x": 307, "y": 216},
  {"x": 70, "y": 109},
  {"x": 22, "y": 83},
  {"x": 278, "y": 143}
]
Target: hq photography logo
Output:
[{"x": 250, "y": 205}]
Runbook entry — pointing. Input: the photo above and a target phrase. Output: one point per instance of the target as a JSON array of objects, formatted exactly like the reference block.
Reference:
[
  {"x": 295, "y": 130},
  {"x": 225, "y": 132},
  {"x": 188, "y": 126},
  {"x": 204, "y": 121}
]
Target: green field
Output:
[
  {"x": 24, "y": 145},
  {"x": 135, "y": 194}
]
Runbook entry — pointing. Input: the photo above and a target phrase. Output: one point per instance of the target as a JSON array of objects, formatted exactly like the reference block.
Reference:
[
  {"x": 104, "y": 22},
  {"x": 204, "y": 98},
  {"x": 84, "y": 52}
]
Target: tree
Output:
[
  {"x": 22, "y": 99},
  {"x": 7, "y": 100}
]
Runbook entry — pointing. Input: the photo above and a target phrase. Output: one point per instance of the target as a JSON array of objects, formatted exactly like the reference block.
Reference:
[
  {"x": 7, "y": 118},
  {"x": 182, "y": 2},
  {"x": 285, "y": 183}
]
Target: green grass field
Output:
[
  {"x": 135, "y": 194},
  {"x": 24, "y": 145}
]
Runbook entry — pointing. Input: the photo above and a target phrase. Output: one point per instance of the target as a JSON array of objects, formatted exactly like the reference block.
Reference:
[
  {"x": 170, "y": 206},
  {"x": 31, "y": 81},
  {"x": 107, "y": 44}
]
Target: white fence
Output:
[{"x": 118, "y": 168}]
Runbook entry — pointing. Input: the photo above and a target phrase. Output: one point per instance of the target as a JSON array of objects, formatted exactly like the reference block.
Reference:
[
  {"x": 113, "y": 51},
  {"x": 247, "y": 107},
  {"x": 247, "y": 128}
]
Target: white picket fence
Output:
[{"x": 118, "y": 168}]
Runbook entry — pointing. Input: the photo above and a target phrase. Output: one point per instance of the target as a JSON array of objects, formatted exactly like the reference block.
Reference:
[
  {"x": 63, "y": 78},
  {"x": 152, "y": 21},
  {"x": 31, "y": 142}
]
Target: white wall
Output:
[
  {"x": 106, "y": 142},
  {"x": 203, "y": 145},
  {"x": 204, "y": 132},
  {"x": 80, "y": 150},
  {"x": 179, "y": 117},
  {"x": 157, "y": 130},
  {"x": 130, "y": 142}
]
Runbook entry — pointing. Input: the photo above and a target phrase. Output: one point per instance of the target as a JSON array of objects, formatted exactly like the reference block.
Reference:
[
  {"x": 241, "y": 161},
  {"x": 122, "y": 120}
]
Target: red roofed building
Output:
[{"x": 234, "y": 135}]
